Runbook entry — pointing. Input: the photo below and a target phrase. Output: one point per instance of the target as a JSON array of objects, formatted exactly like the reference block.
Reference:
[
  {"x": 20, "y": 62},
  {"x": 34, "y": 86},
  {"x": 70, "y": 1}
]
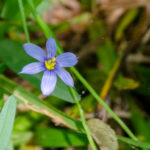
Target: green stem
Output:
[
  {"x": 23, "y": 20},
  {"x": 47, "y": 34},
  {"x": 47, "y": 31},
  {"x": 42, "y": 24},
  {"x": 96, "y": 96},
  {"x": 83, "y": 121}
]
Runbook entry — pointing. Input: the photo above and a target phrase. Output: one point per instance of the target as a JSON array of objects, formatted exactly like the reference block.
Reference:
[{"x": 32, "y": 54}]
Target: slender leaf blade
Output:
[
  {"x": 134, "y": 143},
  {"x": 34, "y": 103},
  {"x": 7, "y": 117}
]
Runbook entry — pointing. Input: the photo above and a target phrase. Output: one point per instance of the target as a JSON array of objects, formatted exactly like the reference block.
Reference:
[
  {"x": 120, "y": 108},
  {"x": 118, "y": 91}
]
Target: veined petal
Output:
[
  {"x": 48, "y": 82},
  {"x": 65, "y": 76},
  {"x": 35, "y": 51},
  {"x": 66, "y": 59},
  {"x": 51, "y": 48},
  {"x": 33, "y": 68}
]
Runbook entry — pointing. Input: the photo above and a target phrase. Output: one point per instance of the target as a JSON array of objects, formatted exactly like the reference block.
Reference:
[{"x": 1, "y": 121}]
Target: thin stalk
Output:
[
  {"x": 47, "y": 34},
  {"x": 96, "y": 96},
  {"x": 47, "y": 31},
  {"x": 83, "y": 121},
  {"x": 24, "y": 20},
  {"x": 40, "y": 21}
]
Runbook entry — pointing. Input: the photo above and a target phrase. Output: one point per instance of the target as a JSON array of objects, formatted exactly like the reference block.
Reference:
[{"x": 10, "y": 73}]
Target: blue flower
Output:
[{"x": 50, "y": 64}]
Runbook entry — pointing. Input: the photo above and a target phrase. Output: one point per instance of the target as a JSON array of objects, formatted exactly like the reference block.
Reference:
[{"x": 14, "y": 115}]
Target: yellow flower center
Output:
[{"x": 50, "y": 64}]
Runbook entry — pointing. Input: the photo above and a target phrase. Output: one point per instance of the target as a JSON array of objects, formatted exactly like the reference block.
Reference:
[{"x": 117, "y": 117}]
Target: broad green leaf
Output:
[
  {"x": 13, "y": 54},
  {"x": 7, "y": 117},
  {"x": 103, "y": 134},
  {"x": 126, "y": 83},
  {"x": 52, "y": 137},
  {"x": 106, "y": 55}
]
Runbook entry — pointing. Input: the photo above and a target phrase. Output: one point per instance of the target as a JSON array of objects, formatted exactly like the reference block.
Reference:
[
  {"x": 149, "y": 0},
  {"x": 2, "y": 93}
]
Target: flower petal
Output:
[
  {"x": 66, "y": 59},
  {"x": 65, "y": 76},
  {"x": 35, "y": 51},
  {"x": 48, "y": 82},
  {"x": 51, "y": 48},
  {"x": 33, "y": 68}
]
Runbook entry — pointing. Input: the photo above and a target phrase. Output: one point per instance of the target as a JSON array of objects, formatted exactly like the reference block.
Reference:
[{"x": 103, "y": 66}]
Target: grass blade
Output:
[
  {"x": 7, "y": 117},
  {"x": 34, "y": 103},
  {"x": 134, "y": 143}
]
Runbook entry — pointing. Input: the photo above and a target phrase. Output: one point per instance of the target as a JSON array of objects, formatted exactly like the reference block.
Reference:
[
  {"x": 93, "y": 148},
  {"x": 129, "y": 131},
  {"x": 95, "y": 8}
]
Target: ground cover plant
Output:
[{"x": 74, "y": 75}]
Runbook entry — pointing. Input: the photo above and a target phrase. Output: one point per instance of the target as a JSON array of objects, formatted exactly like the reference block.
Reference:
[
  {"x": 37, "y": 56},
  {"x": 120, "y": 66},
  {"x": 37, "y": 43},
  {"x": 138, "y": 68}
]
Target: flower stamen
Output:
[{"x": 50, "y": 64}]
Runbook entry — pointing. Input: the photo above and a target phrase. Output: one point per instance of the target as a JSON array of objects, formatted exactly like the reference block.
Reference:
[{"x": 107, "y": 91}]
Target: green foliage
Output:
[
  {"x": 13, "y": 54},
  {"x": 7, "y": 117},
  {"x": 11, "y": 9},
  {"x": 34, "y": 103},
  {"x": 52, "y": 137},
  {"x": 43, "y": 6},
  {"x": 142, "y": 74},
  {"x": 106, "y": 55},
  {"x": 2, "y": 67},
  {"x": 86, "y": 4},
  {"x": 97, "y": 30},
  {"x": 88, "y": 104},
  {"x": 134, "y": 143},
  {"x": 126, "y": 83},
  {"x": 142, "y": 127},
  {"x": 125, "y": 22},
  {"x": 21, "y": 138},
  {"x": 10, "y": 146},
  {"x": 88, "y": 22}
]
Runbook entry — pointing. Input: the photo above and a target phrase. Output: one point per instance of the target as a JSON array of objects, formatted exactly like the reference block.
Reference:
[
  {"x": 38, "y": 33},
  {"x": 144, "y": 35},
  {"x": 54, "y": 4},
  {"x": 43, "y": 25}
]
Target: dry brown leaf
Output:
[
  {"x": 125, "y": 4},
  {"x": 62, "y": 11},
  {"x": 113, "y": 9}
]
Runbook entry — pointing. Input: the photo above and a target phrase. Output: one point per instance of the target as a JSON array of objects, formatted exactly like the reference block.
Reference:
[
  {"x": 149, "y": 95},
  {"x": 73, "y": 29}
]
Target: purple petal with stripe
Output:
[
  {"x": 66, "y": 59},
  {"x": 33, "y": 68},
  {"x": 51, "y": 48},
  {"x": 35, "y": 51},
  {"x": 48, "y": 82},
  {"x": 65, "y": 76}
]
